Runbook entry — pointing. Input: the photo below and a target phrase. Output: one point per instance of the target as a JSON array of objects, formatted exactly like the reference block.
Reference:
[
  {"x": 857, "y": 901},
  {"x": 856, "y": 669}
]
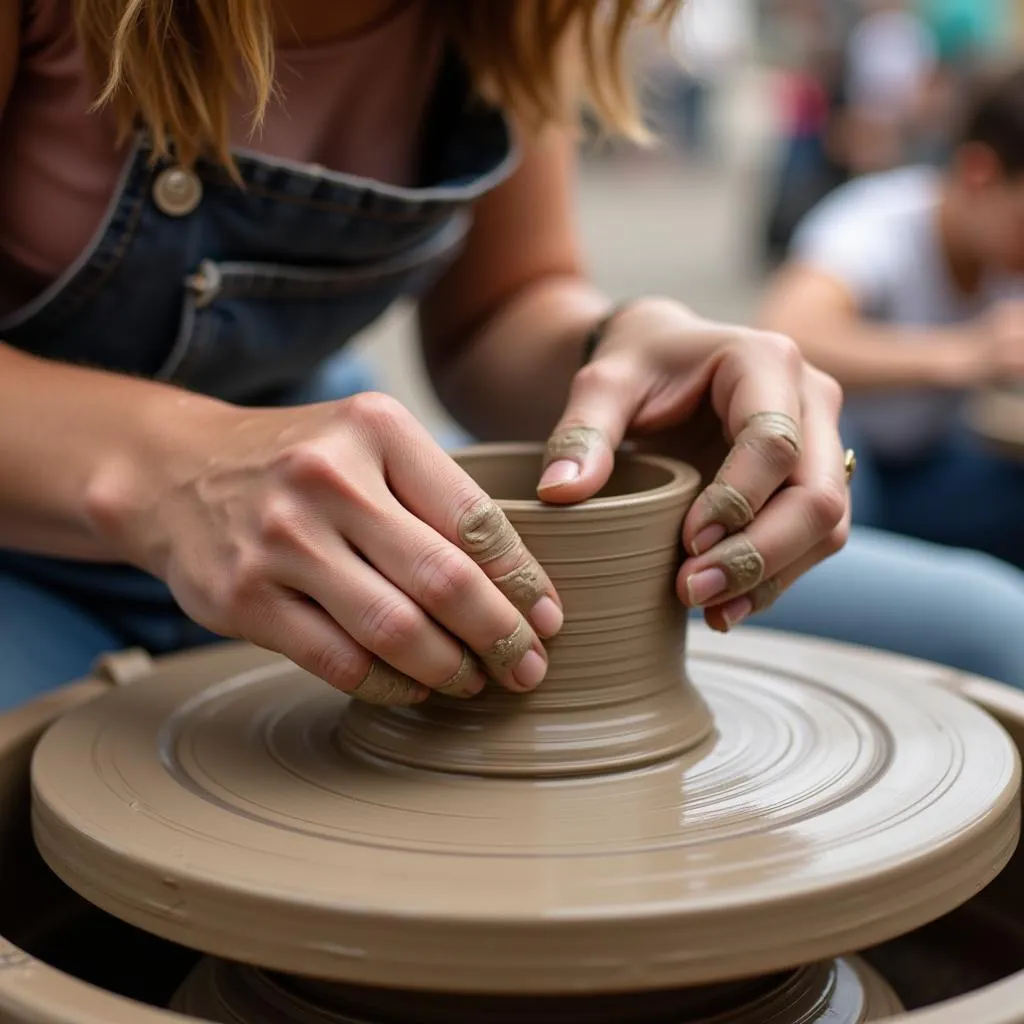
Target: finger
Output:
[
  {"x": 604, "y": 398},
  {"x": 795, "y": 521},
  {"x": 431, "y": 485},
  {"x": 756, "y": 393},
  {"x": 725, "y": 617},
  {"x": 379, "y": 617},
  {"x": 305, "y": 634},
  {"x": 444, "y": 582}
]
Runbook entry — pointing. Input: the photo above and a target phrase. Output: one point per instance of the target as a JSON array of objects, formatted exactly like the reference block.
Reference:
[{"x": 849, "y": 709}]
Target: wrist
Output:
[
  {"x": 962, "y": 362},
  {"x": 169, "y": 431},
  {"x": 640, "y": 317}
]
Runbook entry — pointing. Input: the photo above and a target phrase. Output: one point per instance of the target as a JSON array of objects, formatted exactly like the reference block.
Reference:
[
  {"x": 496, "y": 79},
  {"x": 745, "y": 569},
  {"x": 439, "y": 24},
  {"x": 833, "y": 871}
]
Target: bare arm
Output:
[
  {"x": 70, "y": 439},
  {"x": 818, "y": 312},
  {"x": 503, "y": 330},
  {"x": 65, "y": 433}
]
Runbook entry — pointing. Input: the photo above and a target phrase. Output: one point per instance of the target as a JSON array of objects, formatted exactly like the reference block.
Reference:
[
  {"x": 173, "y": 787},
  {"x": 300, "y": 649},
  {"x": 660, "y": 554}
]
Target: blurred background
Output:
[{"x": 761, "y": 108}]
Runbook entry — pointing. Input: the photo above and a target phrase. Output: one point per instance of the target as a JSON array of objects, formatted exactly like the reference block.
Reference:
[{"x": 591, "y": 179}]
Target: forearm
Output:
[
  {"x": 67, "y": 436},
  {"x": 511, "y": 380},
  {"x": 863, "y": 357},
  {"x": 824, "y": 321}
]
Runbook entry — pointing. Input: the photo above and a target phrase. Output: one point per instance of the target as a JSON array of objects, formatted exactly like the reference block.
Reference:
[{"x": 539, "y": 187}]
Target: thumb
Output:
[{"x": 580, "y": 452}]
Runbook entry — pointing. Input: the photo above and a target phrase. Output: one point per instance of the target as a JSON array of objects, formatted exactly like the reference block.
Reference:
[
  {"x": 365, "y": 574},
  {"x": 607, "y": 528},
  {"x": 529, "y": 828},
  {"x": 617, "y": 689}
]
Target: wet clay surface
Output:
[{"x": 214, "y": 798}]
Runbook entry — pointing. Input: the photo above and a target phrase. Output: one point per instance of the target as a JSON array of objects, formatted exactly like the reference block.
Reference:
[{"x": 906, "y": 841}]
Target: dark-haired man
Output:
[{"x": 908, "y": 287}]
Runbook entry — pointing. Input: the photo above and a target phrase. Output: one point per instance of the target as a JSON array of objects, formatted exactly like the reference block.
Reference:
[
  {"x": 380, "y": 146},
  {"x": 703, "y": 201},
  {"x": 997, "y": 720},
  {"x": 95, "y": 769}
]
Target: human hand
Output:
[
  {"x": 341, "y": 536},
  {"x": 1002, "y": 331},
  {"x": 747, "y": 410}
]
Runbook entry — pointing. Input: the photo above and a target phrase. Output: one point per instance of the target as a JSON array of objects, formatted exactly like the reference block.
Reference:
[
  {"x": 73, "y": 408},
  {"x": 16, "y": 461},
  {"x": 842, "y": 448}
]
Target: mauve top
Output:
[{"x": 354, "y": 105}]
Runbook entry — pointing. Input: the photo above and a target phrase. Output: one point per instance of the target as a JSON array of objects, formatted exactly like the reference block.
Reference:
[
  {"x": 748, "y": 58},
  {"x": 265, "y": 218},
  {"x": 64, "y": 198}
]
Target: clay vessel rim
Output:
[{"x": 683, "y": 478}]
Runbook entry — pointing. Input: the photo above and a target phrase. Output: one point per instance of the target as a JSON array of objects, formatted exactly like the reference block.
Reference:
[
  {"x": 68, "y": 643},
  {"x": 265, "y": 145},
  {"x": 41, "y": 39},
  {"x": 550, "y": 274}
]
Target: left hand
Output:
[{"x": 746, "y": 409}]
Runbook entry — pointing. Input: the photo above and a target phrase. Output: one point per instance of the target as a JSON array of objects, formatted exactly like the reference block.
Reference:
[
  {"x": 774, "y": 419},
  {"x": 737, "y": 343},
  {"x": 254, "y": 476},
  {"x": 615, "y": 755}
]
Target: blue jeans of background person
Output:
[
  {"x": 960, "y": 494},
  {"x": 955, "y": 607}
]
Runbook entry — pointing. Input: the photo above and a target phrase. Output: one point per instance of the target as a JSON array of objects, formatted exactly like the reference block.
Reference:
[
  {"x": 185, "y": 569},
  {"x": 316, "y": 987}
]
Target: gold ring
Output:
[{"x": 850, "y": 464}]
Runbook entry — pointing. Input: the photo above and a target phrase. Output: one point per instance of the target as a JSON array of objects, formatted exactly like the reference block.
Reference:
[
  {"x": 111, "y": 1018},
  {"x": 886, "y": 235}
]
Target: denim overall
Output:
[{"x": 244, "y": 294}]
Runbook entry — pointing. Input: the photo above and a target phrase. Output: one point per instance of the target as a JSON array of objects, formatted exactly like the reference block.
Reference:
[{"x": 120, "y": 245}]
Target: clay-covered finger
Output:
[
  {"x": 734, "y": 566},
  {"x": 764, "y": 454},
  {"x": 757, "y": 394},
  {"x": 791, "y": 525},
  {"x": 464, "y": 682},
  {"x": 732, "y": 613},
  {"x": 381, "y": 618},
  {"x": 580, "y": 450},
  {"x": 305, "y": 634},
  {"x": 453, "y": 590},
  {"x": 795, "y": 522},
  {"x": 487, "y": 536},
  {"x": 434, "y": 489}
]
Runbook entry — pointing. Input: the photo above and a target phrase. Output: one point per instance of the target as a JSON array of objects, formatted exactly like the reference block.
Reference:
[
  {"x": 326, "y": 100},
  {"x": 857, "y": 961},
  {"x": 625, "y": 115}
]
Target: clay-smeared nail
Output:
[
  {"x": 546, "y": 617},
  {"x": 467, "y": 681},
  {"x": 705, "y": 586},
  {"x": 707, "y": 538},
  {"x": 530, "y": 671},
  {"x": 564, "y": 471},
  {"x": 736, "y": 610}
]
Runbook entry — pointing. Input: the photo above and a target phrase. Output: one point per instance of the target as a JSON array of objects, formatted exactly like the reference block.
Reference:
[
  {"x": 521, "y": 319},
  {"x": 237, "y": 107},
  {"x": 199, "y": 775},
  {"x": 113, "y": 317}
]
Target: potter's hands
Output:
[
  {"x": 777, "y": 502},
  {"x": 341, "y": 536}
]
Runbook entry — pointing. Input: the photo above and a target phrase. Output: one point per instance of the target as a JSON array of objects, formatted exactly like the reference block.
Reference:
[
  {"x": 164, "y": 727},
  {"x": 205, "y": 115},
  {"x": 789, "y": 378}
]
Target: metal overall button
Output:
[{"x": 177, "y": 192}]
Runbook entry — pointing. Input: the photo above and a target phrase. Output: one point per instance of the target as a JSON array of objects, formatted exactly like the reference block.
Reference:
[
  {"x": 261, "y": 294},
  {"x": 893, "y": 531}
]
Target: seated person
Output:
[{"x": 908, "y": 288}]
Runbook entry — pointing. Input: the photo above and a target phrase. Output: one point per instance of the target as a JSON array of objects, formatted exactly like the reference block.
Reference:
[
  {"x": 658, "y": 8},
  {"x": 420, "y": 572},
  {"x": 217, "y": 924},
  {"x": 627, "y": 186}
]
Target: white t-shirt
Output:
[{"x": 878, "y": 236}]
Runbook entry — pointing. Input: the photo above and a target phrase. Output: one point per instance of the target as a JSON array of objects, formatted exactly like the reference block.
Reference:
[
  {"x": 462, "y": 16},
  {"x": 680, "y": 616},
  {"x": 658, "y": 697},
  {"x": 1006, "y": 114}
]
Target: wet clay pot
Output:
[
  {"x": 569, "y": 857},
  {"x": 997, "y": 417}
]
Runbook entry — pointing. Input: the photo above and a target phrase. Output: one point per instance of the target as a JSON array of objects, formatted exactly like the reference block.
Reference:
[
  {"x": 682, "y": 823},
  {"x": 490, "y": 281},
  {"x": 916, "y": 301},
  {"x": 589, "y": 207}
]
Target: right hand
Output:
[
  {"x": 1003, "y": 333},
  {"x": 341, "y": 536}
]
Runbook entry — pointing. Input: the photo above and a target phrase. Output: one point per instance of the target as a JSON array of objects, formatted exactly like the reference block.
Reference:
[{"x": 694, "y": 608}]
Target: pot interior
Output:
[{"x": 512, "y": 474}]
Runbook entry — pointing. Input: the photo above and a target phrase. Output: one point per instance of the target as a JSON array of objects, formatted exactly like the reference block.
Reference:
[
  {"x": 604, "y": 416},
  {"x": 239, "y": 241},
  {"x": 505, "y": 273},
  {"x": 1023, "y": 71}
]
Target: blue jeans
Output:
[
  {"x": 955, "y": 607},
  {"x": 960, "y": 494}
]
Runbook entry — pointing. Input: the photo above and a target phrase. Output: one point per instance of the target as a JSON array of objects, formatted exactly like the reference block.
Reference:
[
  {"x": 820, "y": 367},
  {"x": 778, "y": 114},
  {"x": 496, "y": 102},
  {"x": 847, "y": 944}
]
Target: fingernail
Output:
[
  {"x": 530, "y": 671},
  {"x": 707, "y": 538},
  {"x": 546, "y": 617},
  {"x": 564, "y": 471},
  {"x": 735, "y": 611},
  {"x": 705, "y": 585}
]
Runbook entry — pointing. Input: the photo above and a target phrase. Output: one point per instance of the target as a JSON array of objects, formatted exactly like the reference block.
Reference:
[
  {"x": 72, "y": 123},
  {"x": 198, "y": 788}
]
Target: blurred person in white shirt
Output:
[{"x": 908, "y": 287}]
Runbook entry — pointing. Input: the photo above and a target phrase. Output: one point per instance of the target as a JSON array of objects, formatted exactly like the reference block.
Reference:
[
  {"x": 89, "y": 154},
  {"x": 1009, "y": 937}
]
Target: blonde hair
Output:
[{"x": 173, "y": 65}]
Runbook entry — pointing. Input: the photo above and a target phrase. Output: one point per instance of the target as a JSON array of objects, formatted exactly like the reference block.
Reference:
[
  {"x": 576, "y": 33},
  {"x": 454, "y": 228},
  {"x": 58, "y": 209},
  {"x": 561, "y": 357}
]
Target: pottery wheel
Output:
[{"x": 837, "y": 803}]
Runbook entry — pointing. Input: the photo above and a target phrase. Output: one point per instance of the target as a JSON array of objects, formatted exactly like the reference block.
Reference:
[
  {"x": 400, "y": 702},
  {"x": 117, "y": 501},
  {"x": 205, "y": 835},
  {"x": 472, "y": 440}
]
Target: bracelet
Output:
[{"x": 596, "y": 333}]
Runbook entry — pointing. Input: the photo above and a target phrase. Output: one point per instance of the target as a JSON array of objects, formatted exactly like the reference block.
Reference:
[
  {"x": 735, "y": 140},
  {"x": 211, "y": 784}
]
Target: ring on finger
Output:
[
  {"x": 849, "y": 464},
  {"x": 465, "y": 681},
  {"x": 386, "y": 686}
]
